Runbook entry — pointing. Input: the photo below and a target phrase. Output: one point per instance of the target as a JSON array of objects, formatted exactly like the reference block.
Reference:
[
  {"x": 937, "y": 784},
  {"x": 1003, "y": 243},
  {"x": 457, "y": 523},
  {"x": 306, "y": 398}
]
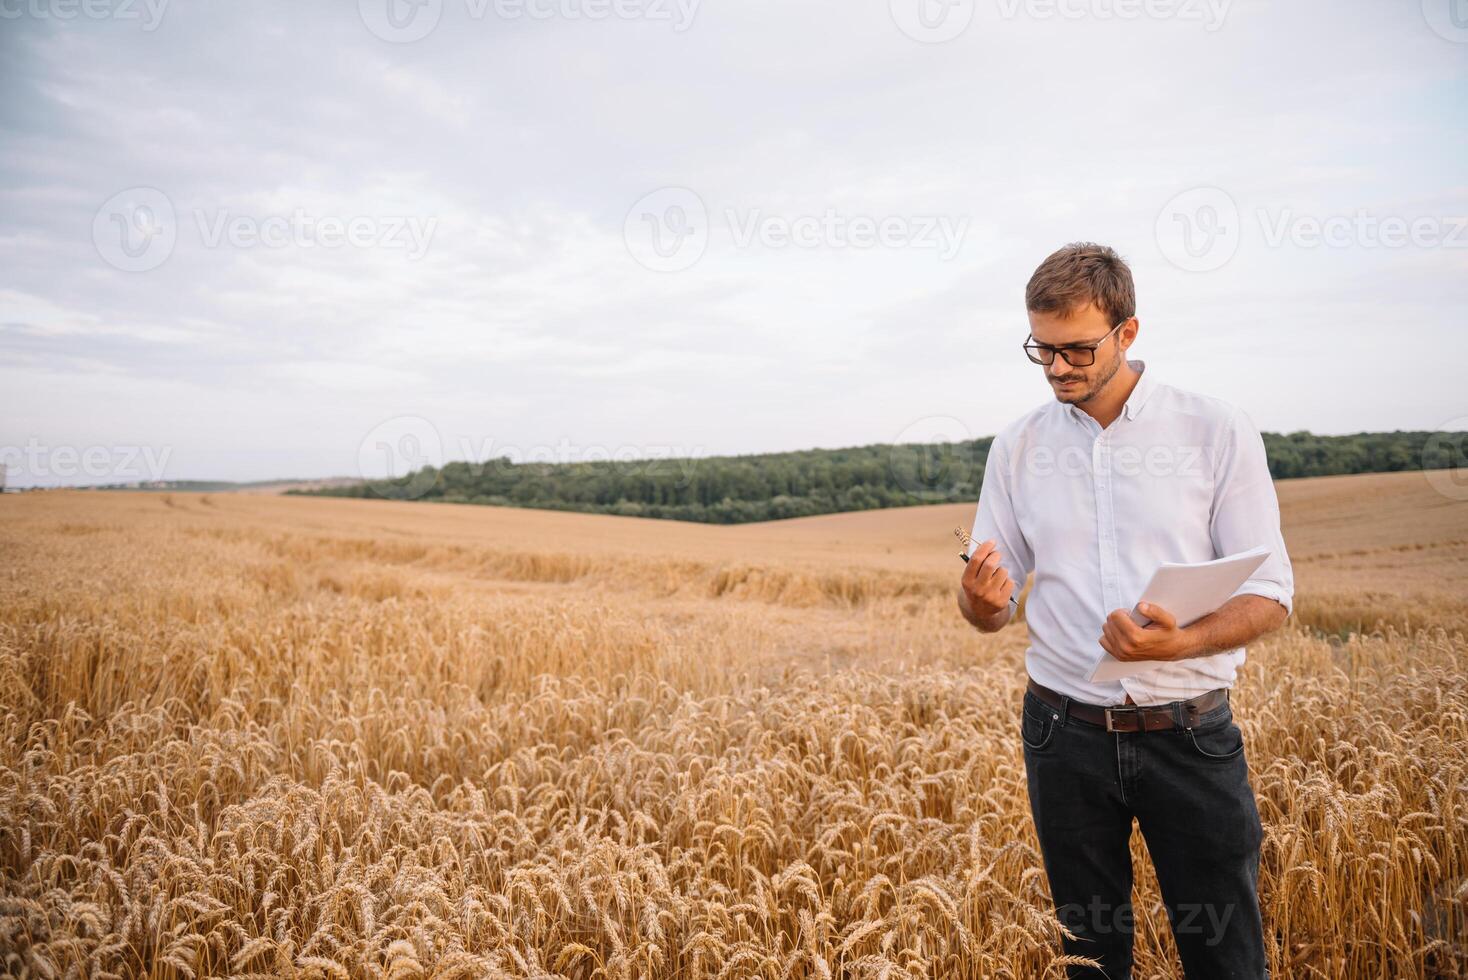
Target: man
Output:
[{"x": 1090, "y": 492}]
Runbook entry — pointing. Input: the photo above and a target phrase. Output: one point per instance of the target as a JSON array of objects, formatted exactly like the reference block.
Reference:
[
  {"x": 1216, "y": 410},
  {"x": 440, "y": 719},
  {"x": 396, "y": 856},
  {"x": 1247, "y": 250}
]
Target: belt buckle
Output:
[{"x": 1114, "y": 710}]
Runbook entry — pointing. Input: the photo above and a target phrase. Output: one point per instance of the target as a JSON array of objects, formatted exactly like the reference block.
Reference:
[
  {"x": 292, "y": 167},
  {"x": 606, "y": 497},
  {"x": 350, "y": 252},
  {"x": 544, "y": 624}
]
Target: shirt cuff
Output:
[{"x": 1268, "y": 590}]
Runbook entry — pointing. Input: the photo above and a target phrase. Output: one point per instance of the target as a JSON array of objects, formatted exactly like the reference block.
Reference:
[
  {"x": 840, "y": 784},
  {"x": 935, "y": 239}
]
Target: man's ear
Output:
[{"x": 1128, "y": 333}]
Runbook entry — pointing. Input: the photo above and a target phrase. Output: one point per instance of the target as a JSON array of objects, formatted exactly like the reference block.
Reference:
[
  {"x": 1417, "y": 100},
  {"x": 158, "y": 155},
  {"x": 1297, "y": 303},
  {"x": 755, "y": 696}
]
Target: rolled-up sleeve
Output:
[
  {"x": 1246, "y": 511},
  {"x": 995, "y": 517}
]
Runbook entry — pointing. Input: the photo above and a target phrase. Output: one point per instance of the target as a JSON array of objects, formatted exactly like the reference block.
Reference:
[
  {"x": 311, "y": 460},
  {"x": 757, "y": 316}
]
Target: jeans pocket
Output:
[
  {"x": 1037, "y": 727},
  {"x": 1218, "y": 743}
]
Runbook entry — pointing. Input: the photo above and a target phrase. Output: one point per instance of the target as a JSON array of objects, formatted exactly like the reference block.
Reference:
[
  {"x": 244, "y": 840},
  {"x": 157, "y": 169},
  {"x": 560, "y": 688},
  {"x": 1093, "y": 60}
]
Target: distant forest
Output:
[{"x": 770, "y": 486}]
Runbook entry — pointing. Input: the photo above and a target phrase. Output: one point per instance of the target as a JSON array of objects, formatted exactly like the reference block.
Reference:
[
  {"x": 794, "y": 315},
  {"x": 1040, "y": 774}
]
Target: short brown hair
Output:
[{"x": 1081, "y": 273}]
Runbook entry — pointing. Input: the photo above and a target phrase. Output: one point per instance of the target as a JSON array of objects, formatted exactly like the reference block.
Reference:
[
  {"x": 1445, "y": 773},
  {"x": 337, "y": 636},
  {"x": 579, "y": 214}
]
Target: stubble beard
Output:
[{"x": 1095, "y": 387}]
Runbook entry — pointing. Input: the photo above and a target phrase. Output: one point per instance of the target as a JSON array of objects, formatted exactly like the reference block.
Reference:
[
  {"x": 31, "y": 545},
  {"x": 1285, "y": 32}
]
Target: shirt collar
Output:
[
  {"x": 1141, "y": 392},
  {"x": 1135, "y": 401}
]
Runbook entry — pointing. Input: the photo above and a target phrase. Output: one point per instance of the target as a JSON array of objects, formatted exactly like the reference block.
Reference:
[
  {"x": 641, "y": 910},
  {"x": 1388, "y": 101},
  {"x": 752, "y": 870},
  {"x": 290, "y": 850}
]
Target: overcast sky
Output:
[{"x": 252, "y": 240}]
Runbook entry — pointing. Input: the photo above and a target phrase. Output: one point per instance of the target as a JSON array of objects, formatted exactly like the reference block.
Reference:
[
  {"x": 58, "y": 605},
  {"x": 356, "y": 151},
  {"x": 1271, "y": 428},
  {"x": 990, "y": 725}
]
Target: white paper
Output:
[{"x": 1189, "y": 592}]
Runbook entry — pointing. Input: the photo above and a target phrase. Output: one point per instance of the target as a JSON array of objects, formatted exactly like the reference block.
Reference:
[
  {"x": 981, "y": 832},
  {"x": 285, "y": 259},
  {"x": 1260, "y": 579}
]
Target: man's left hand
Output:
[{"x": 1161, "y": 639}]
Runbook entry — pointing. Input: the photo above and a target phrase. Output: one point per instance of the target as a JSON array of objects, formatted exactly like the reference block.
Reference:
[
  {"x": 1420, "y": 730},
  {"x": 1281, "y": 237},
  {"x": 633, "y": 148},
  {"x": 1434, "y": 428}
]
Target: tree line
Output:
[{"x": 770, "y": 486}]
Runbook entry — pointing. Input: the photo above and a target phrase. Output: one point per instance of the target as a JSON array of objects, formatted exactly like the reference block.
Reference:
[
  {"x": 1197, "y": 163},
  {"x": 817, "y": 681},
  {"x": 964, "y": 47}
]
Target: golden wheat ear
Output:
[{"x": 964, "y": 537}]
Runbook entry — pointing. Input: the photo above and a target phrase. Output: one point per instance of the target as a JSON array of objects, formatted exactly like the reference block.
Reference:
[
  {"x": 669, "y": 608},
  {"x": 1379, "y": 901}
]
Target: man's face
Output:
[{"x": 1083, "y": 325}]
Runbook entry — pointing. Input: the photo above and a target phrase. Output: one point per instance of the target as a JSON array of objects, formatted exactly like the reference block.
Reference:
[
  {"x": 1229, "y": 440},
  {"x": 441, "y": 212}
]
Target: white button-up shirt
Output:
[{"x": 1176, "y": 477}]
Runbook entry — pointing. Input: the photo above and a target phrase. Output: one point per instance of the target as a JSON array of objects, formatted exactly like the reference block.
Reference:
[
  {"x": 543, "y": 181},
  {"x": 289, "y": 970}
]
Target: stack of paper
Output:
[{"x": 1189, "y": 592}]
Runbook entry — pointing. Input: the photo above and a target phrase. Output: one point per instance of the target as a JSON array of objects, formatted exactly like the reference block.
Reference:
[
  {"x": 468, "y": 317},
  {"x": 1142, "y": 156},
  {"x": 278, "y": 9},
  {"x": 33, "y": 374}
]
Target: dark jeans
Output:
[{"x": 1190, "y": 792}]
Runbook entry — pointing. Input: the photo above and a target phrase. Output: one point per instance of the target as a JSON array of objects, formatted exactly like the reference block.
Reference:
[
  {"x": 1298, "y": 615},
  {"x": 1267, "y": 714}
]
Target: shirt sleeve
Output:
[
  {"x": 1246, "y": 512},
  {"x": 995, "y": 517}
]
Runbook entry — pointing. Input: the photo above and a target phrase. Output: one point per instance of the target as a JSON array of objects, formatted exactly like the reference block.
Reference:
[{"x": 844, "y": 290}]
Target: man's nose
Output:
[{"x": 1058, "y": 368}]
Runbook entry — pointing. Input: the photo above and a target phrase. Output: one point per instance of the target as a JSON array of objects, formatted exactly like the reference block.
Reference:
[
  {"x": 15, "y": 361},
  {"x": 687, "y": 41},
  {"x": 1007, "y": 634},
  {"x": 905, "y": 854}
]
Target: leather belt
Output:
[{"x": 1136, "y": 717}]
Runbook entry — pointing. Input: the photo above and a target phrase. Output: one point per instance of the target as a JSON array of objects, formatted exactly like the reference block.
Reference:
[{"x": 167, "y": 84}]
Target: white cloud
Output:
[{"x": 525, "y": 143}]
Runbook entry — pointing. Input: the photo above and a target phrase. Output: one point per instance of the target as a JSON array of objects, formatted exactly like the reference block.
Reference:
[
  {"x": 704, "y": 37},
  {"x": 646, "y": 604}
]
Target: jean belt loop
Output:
[
  {"x": 1064, "y": 709},
  {"x": 1179, "y": 714}
]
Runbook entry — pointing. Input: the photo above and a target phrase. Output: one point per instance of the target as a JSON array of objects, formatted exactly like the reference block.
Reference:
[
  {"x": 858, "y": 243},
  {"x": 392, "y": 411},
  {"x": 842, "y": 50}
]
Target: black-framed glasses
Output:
[{"x": 1076, "y": 355}]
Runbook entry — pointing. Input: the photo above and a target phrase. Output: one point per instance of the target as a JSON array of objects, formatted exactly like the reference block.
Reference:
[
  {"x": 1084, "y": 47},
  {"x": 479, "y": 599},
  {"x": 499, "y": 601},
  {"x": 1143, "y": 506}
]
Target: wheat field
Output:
[{"x": 276, "y": 736}]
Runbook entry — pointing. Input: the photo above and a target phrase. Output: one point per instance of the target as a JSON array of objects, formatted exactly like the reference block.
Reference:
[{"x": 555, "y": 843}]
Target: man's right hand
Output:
[{"x": 986, "y": 586}]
